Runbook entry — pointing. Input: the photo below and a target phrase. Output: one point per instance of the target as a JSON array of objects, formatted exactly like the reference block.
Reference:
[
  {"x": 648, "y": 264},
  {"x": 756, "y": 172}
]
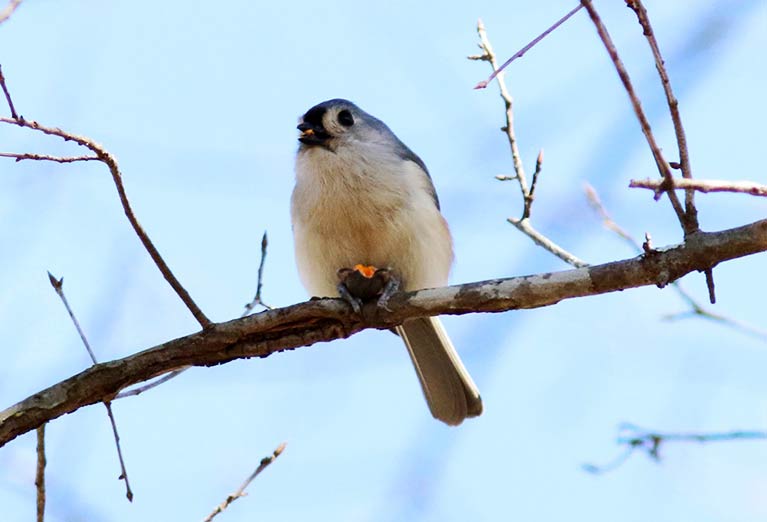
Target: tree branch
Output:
[
  {"x": 523, "y": 224},
  {"x": 241, "y": 490},
  {"x": 701, "y": 185},
  {"x": 40, "y": 474},
  {"x": 18, "y": 156},
  {"x": 328, "y": 319},
  {"x": 663, "y": 167},
  {"x": 634, "y": 438},
  {"x": 111, "y": 162},
  {"x": 691, "y": 212}
]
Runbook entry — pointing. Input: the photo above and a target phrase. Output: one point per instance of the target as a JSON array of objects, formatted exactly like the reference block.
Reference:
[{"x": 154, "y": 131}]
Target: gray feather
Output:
[{"x": 450, "y": 393}]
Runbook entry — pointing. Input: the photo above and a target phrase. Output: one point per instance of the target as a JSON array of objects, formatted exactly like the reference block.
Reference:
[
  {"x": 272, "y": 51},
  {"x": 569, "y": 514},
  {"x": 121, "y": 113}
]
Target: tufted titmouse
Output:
[{"x": 363, "y": 199}]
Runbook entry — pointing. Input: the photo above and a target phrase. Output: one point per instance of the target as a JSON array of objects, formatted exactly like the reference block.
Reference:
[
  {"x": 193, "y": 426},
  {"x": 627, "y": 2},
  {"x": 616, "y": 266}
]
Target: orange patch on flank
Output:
[{"x": 366, "y": 270}]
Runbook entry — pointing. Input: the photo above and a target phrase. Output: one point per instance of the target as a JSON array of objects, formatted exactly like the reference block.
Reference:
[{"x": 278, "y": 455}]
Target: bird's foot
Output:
[
  {"x": 390, "y": 288},
  {"x": 365, "y": 283},
  {"x": 346, "y": 295}
]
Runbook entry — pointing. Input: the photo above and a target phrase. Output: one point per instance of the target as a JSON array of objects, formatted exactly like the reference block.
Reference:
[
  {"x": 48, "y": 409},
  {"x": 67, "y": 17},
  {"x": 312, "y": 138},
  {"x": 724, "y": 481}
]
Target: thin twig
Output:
[
  {"x": 673, "y": 104},
  {"x": 248, "y": 307},
  {"x": 40, "y": 473},
  {"x": 736, "y": 324},
  {"x": 109, "y": 160},
  {"x": 702, "y": 185},
  {"x": 651, "y": 441},
  {"x": 524, "y": 226},
  {"x": 141, "y": 389},
  {"x": 531, "y": 196},
  {"x": 11, "y": 6},
  {"x": 696, "y": 309},
  {"x": 257, "y": 298},
  {"x": 46, "y": 157},
  {"x": 241, "y": 491},
  {"x": 660, "y": 161},
  {"x": 124, "y": 472},
  {"x": 58, "y": 286},
  {"x": 6, "y": 13},
  {"x": 610, "y": 466},
  {"x": 521, "y": 52},
  {"x": 607, "y": 221}
]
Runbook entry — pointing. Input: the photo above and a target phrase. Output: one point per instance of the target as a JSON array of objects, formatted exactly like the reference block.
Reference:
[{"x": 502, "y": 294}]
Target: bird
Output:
[{"x": 364, "y": 206}]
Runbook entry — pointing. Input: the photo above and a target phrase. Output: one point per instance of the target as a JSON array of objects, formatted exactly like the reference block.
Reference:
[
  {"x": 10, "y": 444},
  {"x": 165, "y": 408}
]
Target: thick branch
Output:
[{"x": 327, "y": 319}]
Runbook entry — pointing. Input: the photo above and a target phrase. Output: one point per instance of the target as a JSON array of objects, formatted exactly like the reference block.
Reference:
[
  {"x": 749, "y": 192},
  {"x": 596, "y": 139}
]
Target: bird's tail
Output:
[{"x": 451, "y": 394}]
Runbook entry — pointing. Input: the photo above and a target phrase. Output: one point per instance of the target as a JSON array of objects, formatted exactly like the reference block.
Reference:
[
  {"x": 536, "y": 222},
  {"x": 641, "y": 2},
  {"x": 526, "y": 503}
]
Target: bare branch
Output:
[
  {"x": 696, "y": 309},
  {"x": 241, "y": 491},
  {"x": 489, "y": 56},
  {"x": 607, "y": 221},
  {"x": 319, "y": 320},
  {"x": 40, "y": 473},
  {"x": 673, "y": 105},
  {"x": 531, "y": 196},
  {"x": 123, "y": 470},
  {"x": 248, "y": 307},
  {"x": 6, "y": 13},
  {"x": 109, "y": 160},
  {"x": 701, "y": 185},
  {"x": 732, "y": 322},
  {"x": 58, "y": 285},
  {"x": 4, "y": 16},
  {"x": 46, "y": 157},
  {"x": 521, "y": 52},
  {"x": 141, "y": 389},
  {"x": 660, "y": 161},
  {"x": 257, "y": 298},
  {"x": 650, "y": 442},
  {"x": 524, "y": 226}
]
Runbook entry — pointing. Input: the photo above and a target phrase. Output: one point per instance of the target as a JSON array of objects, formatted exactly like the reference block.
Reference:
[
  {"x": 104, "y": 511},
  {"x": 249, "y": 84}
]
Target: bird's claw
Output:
[
  {"x": 354, "y": 302},
  {"x": 391, "y": 288}
]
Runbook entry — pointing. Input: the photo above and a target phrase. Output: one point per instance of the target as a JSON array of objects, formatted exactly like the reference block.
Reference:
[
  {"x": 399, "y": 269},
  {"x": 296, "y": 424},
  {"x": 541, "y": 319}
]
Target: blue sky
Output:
[{"x": 199, "y": 103}]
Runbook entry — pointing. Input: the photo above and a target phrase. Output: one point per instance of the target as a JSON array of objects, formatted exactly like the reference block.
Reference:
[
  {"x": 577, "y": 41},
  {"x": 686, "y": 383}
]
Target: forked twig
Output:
[
  {"x": 696, "y": 309},
  {"x": 257, "y": 298},
  {"x": 663, "y": 166},
  {"x": 109, "y": 160},
  {"x": 522, "y": 224},
  {"x": 248, "y": 307},
  {"x": 488, "y": 55},
  {"x": 687, "y": 218},
  {"x": 241, "y": 490}
]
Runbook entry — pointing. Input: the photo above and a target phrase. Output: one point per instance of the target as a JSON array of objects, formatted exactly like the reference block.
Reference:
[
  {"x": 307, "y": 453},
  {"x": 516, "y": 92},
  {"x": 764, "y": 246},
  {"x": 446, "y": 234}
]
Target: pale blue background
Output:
[{"x": 199, "y": 101}]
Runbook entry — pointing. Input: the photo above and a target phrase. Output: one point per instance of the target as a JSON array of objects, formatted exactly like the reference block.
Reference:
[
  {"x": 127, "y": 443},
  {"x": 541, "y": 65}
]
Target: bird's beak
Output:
[{"x": 311, "y": 135}]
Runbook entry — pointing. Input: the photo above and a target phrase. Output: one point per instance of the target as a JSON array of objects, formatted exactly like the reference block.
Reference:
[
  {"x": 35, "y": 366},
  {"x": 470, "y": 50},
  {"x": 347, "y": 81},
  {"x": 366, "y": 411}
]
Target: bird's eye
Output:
[{"x": 345, "y": 118}]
